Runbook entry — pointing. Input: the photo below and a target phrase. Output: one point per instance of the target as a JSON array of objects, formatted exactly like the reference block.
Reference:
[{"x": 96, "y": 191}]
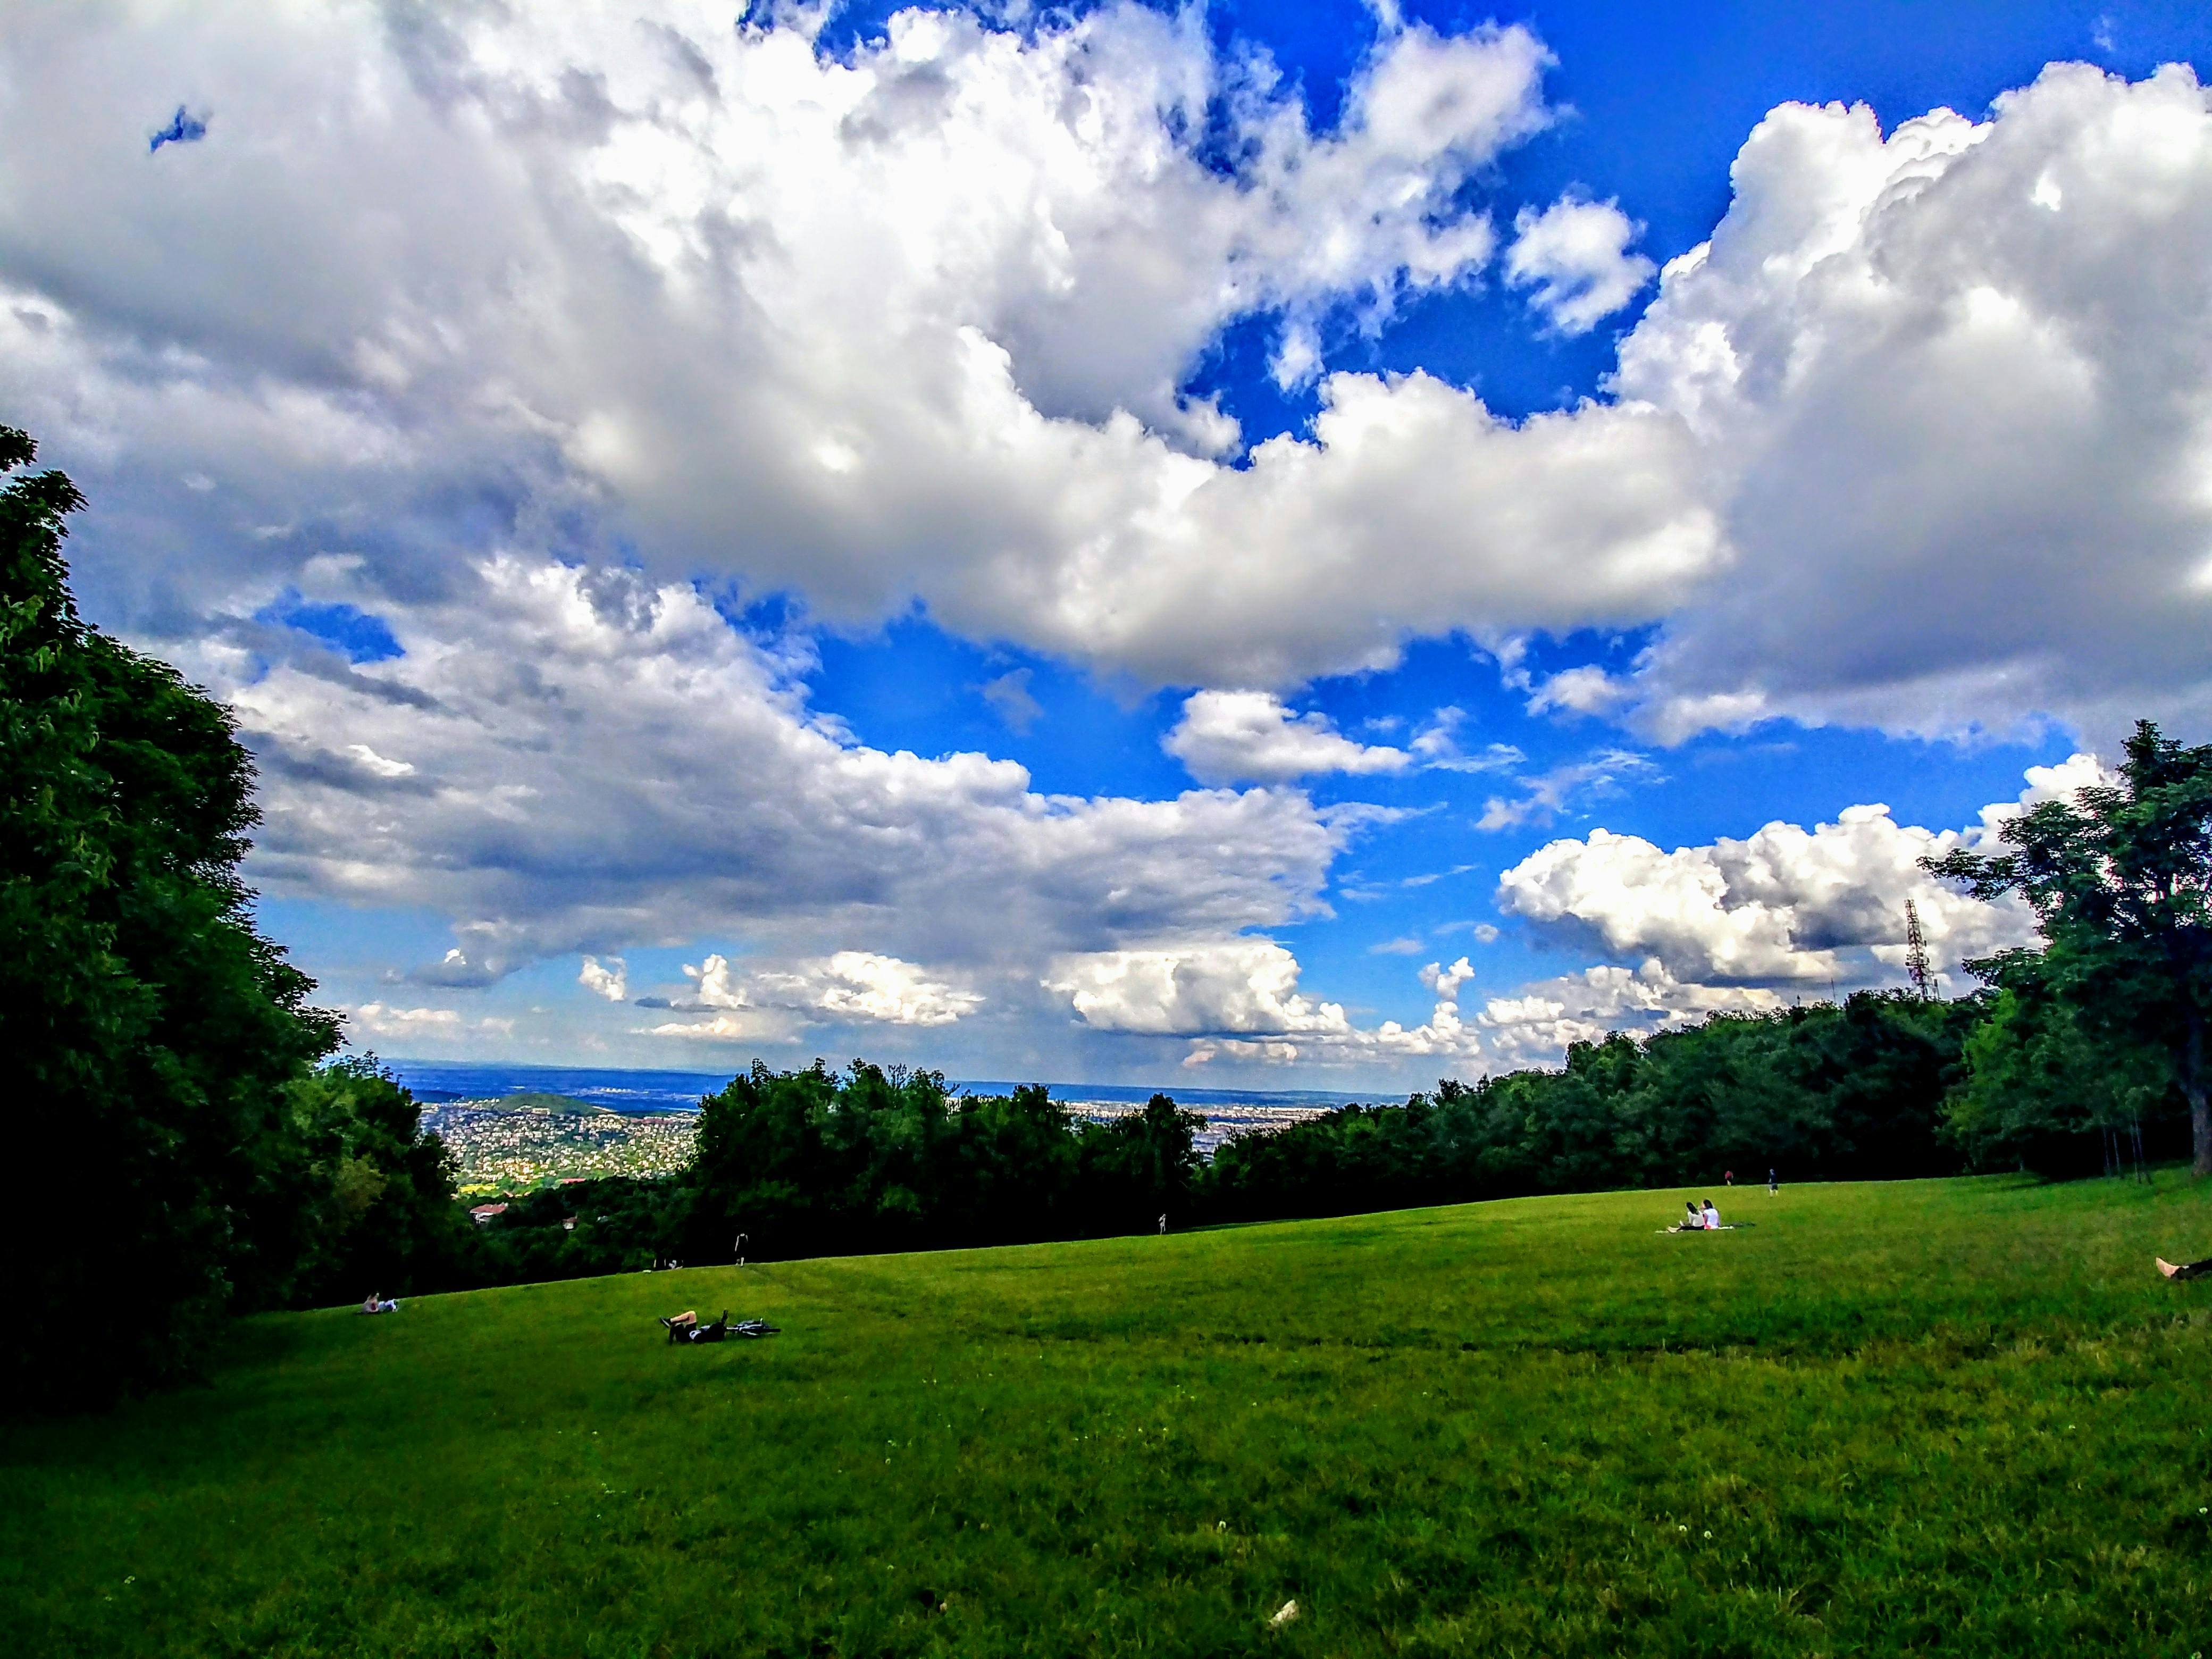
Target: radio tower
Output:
[{"x": 1915, "y": 953}]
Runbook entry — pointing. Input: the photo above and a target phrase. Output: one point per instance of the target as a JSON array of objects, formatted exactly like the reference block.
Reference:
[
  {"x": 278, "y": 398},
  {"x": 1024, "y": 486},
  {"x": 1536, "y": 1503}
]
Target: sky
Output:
[{"x": 1299, "y": 546}]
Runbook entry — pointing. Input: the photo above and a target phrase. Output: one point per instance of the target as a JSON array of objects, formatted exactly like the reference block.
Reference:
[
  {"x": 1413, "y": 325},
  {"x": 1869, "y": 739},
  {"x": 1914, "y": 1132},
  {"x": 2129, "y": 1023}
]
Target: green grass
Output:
[{"x": 1944, "y": 1417}]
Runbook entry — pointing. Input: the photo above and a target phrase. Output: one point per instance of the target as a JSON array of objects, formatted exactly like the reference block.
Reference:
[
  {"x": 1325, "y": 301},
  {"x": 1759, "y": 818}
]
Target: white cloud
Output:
[
  {"x": 601, "y": 763},
  {"x": 906, "y": 324},
  {"x": 851, "y": 986},
  {"x": 377, "y": 1019},
  {"x": 1536, "y": 1027},
  {"x": 1239, "y": 999},
  {"x": 1956, "y": 383},
  {"x": 1588, "y": 690},
  {"x": 1228, "y": 737},
  {"x": 610, "y": 980},
  {"x": 772, "y": 1003},
  {"x": 1234, "y": 986},
  {"x": 1919, "y": 437},
  {"x": 1783, "y": 905},
  {"x": 1574, "y": 255}
]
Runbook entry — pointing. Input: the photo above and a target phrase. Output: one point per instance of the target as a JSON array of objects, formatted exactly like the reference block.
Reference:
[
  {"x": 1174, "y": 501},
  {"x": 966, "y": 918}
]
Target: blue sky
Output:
[{"x": 1127, "y": 546}]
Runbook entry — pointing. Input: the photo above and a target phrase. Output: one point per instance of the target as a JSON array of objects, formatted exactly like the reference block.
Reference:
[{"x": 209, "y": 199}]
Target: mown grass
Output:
[{"x": 1944, "y": 1416}]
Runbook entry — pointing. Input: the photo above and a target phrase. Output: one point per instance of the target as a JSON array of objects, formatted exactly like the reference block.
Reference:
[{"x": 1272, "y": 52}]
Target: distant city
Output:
[
  {"x": 512, "y": 1127},
  {"x": 500, "y": 1148}
]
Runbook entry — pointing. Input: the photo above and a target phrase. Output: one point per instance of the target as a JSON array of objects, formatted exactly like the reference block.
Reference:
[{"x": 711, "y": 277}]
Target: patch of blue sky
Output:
[
  {"x": 352, "y": 946},
  {"x": 361, "y": 636},
  {"x": 914, "y": 686},
  {"x": 184, "y": 128}
]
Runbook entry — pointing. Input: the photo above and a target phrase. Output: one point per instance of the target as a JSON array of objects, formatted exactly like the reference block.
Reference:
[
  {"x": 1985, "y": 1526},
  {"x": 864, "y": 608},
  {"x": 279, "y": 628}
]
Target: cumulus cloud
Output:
[
  {"x": 905, "y": 324},
  {"x": 1575, "y": 255},
  {"x": 1783, "y": 905},
  {"x": 609, "y": 979},
  {"x": 1536, "y": 1026},
  {"x": 379, "y": 1019},
  {"x": 1917, "y": 438},
  {"x": 1236, "y": 987},
  {"x": 1955, "y": 381},
  {"x": 597, "y": 762},
  {"x": 852, "y": 987},
  {"x": 1231, "y": 736},
  {"x": 1240, "y": 999}
]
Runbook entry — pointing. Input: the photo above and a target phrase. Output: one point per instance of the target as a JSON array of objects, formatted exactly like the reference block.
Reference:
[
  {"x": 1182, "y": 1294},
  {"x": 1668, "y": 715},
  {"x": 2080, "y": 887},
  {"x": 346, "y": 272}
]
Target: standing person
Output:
[
  {"x": 1773, "y": 1186},
  {"x": 1163, "y": 1223}
]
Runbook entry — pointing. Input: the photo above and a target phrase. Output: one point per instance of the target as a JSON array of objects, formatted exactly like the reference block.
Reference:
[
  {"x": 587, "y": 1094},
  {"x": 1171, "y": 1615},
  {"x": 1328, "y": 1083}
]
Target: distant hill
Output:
[{"x": 535, "y": 1100}]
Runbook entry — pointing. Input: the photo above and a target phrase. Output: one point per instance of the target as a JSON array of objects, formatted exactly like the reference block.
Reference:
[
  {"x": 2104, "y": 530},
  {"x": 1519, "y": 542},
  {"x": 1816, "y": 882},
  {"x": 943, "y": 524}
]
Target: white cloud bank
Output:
[
  {"x": 1918, "y": 438},
  {"x": 906, "y": 324},
  {"x": 597, "y": 762},
  {"x": 1954, "y": 383},
  {"x": 1783, "y": 905}
]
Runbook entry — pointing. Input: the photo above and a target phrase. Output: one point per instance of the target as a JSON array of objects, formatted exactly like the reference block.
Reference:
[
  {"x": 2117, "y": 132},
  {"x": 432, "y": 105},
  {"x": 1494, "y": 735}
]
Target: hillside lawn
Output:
[{"x": 1933, "y": 1417}]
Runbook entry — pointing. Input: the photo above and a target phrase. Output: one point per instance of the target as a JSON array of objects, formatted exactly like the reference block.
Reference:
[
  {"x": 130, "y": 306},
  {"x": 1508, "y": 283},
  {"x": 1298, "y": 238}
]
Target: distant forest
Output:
[{"x": 166, "y": 1057}]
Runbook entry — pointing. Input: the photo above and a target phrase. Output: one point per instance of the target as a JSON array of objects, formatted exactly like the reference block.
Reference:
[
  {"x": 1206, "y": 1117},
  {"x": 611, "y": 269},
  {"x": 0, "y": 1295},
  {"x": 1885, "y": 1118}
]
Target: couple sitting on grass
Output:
[{"x": 1705, "y": 1220}]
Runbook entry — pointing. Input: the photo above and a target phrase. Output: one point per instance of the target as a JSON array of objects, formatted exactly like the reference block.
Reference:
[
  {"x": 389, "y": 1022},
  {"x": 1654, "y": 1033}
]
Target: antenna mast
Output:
[{"x": 1916, "y": 954}]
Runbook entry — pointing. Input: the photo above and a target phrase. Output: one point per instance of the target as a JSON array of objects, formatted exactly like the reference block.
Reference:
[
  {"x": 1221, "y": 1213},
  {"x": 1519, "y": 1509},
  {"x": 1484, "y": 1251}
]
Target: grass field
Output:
[{"x": 1944, "y": 1417}]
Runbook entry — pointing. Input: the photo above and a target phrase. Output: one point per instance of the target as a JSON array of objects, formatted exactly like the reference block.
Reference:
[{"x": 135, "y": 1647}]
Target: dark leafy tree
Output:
[
  {"x": 2041, "y": 1094},
  {"x": 149, "y": 1030},
  {"x": 1852, "y": 1092},
  {"x": 818, "y": 1162},
  {"x": 2120, "y": 879},
  {"x": 365, "y": 1202}
]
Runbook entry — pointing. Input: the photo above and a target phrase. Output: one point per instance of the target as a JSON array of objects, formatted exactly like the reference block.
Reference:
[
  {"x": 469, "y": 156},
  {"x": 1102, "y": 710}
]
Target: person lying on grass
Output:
[
  {"x": 376, "y": 1304},
  {"x": 2185, "y": 1269}
]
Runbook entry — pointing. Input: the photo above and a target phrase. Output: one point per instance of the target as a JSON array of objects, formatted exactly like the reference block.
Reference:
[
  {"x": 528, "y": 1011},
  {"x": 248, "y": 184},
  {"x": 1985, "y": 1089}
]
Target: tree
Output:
[
  {"x": 149, "y": 1030},
  {"x": 2120, "y": 879},
  {"x": 2041, "y": 1094},
  {"x": 367, "y": 1202}
]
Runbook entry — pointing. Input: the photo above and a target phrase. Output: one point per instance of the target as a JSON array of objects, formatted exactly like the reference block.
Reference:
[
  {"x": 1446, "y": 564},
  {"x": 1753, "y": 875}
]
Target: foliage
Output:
[
  {"x": 371, "y": 1206},
  {"x": 2041, "y": 1095},
  {"x": 2120, "y": 879},
  {"x": 1818, "y": 1093},
  {"x": 1914, "y": 1418},
  {"x": 815, "y": 1163},
  {"x": 150, "y": 1029}
]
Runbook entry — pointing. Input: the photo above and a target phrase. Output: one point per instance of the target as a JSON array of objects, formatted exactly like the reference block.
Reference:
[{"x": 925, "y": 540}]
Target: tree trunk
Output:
[{"x": 2192, "y": 1087}]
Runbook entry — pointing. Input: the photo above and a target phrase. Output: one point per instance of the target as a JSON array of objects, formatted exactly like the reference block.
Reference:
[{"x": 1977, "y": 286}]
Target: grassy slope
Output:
[{"x": 1938, "y": 1417}]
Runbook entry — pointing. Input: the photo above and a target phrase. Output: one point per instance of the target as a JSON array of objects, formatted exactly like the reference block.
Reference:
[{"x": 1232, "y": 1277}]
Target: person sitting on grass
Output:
[
  {"x": 2185, "y": 1269},
  {"x": 1712, "y": 1217},
  {"x": 1694, "y": 1222}
]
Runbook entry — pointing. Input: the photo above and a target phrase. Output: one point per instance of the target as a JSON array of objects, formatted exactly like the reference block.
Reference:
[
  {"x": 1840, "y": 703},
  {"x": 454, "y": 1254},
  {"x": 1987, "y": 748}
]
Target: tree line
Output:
[{"x": 194, "y": 1150}]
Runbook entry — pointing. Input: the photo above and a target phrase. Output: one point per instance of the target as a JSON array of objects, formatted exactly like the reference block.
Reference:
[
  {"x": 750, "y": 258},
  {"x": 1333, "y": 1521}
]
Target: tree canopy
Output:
[
  {"x": 2120, "y": 879},
  {"x": 150, "y": 1030}
]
